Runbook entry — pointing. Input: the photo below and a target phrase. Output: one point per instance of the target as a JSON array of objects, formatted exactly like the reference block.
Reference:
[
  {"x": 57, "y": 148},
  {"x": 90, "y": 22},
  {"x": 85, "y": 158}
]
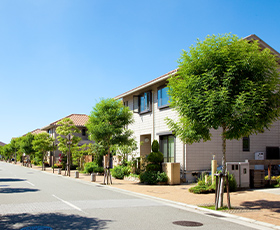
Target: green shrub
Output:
[
  {"x": 91, "y": 167},
  {"x": 119, "y": 172},
  {"x": 203, "y": 187},
  {"x": 153, "y": 167},
  {"x": 155, "y": 157},
  {"x": 155, "y": 146},
  {"x": 148, "y": 177},
  {"x": 152, "y": 177},
  {"x": 37, "y": 161},
  {"x": 162, "y": 177},
  {"x": 232, "y": 183},
  {"x": 73, "y": 167}
]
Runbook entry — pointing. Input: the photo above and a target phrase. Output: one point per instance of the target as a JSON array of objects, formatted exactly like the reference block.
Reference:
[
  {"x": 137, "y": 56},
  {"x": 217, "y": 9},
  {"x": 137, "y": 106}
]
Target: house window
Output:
[
  {"x": 83, "y": 132},
  {"x": 125, "y": 103},
  {"x": 246, "y": 144},
  {"x": 163, "y": 97},
  {"x": 142, "y": 103},
  {"x": 167, "y": 147}
]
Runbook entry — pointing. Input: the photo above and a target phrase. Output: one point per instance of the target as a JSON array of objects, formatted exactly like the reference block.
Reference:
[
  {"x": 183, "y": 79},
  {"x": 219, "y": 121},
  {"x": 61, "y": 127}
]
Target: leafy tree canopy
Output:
[
  {"x": 42, "y": 143},
  {"x": 107, "y": 121},
  {"x": 15, "y": 143},
  {"x": 66, "y": 127},
  {"x": 26, "y": 144},
  {"x": 226, "y": 82}
]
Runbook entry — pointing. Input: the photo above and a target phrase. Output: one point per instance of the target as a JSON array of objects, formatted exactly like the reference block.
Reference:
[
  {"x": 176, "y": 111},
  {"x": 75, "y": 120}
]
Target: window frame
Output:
[
  {"x": 137, "y": 102},
  {"x": 161, "y": 147},
  {"x": 83, "y": 132},
  {"x": 244, "y": 148},
  {"x": 158, "y": 99}
]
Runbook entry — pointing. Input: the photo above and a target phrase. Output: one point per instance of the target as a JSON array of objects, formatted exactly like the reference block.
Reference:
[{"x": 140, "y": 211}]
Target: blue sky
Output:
[{"x": 61, "y": 57}]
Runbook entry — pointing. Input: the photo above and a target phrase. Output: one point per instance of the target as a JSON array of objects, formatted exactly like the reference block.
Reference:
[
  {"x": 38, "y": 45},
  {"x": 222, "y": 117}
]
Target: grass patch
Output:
[{"x": 212, "y": 207}]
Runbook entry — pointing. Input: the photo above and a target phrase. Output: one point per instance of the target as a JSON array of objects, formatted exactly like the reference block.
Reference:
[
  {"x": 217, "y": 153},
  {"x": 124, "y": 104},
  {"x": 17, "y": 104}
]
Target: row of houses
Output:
[{"x": 150, "y": 106}]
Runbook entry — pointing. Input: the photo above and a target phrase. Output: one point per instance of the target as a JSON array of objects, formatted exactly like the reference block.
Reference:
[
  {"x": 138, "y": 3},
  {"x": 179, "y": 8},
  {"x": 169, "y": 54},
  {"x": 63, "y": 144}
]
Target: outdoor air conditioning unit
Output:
[{"x": 240, "y": 170}]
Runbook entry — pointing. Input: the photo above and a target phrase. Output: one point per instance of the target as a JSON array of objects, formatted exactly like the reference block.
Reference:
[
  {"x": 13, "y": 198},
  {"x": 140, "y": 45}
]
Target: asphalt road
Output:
[{"x": 33, "y": 198}]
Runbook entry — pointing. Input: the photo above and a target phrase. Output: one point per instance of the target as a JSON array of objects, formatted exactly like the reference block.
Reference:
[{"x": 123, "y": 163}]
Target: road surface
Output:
[{"x": 31, "y": 198}]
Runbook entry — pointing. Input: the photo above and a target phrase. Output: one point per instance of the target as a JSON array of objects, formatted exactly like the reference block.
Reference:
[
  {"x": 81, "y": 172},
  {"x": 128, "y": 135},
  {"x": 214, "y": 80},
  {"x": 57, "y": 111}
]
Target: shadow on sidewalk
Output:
[
  {"x": 53, "y": 220},
  {"x": 262, "y": 204}
]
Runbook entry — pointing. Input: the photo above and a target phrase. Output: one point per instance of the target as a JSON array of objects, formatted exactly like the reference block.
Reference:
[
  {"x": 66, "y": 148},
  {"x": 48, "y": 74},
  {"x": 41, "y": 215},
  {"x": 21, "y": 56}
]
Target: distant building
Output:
[{"x": 79, "y": 120}]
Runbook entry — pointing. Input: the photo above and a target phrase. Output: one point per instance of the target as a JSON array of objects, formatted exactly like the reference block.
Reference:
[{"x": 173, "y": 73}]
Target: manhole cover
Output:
[
  {"x": 37, "y": 228},
  {"x": 187, "y": 223}
]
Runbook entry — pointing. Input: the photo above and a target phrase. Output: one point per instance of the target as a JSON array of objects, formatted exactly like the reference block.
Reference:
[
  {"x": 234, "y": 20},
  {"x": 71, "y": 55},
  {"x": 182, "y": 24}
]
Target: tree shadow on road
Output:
[
  {"x": 262, "y": 204},
  {"x": 53, "y": 220},
  {"x": 11, "y": 179},
  {"x": 17, "y": 190}
]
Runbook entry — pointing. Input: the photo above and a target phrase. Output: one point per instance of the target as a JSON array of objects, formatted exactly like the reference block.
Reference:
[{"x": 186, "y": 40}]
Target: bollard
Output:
[
  {"x": 93, "y": 177},
  {"x": 59, "y": 170},
  {"x": 76, "y": 174}
]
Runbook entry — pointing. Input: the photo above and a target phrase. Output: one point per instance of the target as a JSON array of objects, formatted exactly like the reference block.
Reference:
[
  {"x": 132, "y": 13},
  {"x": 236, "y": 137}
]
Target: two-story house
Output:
[
  {"x": 149, "y": 102},
  {"x": 79, "y": 120}
]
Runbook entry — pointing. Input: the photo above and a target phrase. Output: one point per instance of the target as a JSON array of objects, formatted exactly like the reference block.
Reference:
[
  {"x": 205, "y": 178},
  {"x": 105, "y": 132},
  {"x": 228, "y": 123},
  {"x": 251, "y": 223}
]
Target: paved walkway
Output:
[{"x": 261, "y": 205}]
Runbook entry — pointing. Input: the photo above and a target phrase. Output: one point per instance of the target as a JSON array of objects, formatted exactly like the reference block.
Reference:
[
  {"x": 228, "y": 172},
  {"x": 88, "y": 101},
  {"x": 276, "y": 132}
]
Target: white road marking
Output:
[
  {"x": 68, "y": 203},
  {"x": 30, "y": 183}
]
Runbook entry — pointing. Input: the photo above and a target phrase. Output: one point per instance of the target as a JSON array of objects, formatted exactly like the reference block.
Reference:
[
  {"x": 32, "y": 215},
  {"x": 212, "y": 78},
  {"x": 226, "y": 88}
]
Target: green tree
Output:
[
  {"x": 26, "y": 145},
  {"x": 224, "y": 82},
  {"x": 78, "y": 155},
  {"x": 126, "y": 152},
  {"x": 107, "y": 122},
  {"x": 1, "y": 152},
  {"x": 42, "y": 144},
  {"x": 97, "y": 151},
  {"x": 7, "y": 152},
  {"x": 68, "y": 141},
  {"x": 15, "y": 145}
]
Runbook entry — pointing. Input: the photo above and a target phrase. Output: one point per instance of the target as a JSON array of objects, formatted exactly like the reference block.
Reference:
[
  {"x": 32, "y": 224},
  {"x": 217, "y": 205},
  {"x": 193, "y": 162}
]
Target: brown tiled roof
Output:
[
  {"x": 2, "y": 144},
  {"x": 79, "y": 120},
  {"x": 37, "y": 131}
]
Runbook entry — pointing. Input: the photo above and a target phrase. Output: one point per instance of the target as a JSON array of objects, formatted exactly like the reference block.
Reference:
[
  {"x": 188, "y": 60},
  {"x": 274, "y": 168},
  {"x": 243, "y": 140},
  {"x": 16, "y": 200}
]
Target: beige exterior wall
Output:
[
  {"x": 151, "y": 124},
  {"x": 198, "y": 156}
]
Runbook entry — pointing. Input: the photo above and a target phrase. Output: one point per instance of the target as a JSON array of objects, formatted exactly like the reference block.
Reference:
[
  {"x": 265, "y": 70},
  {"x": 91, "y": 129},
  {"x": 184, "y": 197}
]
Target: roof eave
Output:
[
  {"x": 48, "y": 127},
  {"x": 143, "y": 86},
  {"x": 263, "y": 44}
]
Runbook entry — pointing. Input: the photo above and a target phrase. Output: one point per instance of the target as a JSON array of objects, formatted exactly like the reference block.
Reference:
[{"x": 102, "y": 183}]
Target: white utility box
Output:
[
  {"x": 241, "y": 172},
  {"x": 259, "y": 156}
]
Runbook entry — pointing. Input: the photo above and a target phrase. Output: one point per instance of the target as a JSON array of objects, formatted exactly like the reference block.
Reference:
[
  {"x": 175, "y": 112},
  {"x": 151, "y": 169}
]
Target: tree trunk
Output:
[
  {"x": 43, "y": 162},
  {"x": 221, "y": 193},
  {"x": 68, "y": 163}
]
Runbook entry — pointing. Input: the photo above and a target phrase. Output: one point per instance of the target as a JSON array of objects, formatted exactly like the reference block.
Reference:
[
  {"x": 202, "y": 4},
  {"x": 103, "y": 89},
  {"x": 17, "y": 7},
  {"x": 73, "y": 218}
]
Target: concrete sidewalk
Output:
[{"x": 260, "y": 205}]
